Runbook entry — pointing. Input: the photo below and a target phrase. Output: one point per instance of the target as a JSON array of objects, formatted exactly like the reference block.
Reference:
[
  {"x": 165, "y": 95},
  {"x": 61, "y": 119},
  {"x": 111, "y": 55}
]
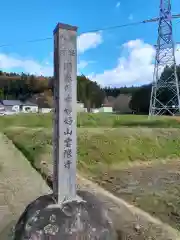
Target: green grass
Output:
[
  {"x": 89, "y": 121},
  {"x": 99, "y": 148},
  {"x": 108, "y": 145}
]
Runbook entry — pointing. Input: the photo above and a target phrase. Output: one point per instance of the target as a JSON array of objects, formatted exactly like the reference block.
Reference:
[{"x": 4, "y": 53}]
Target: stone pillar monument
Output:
[
  {"x": 65, "y": 214},
  {"x": 65, "y": 74}
]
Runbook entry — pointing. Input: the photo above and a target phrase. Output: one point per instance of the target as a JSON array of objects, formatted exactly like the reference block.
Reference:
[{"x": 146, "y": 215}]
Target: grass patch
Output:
[
  {"x": 90, "y": 121},
  {"x": 31, "y": 142},
  {"x": 105, "y": 147},
  {"x": 108, "y": 146},
  {"x": 105, "y": 155}
]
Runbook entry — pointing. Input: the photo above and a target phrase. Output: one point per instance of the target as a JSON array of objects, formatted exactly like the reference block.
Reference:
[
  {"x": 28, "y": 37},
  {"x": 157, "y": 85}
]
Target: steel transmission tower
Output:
[{"x": 165, "y": 96}]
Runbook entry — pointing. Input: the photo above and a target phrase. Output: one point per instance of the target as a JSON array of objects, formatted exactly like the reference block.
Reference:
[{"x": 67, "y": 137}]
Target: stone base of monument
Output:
[{"x": 77, "y": 220}]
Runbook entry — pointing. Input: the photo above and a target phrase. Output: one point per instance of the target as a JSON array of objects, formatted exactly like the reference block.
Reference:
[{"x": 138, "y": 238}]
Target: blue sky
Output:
[{"x": 117, "y": 57}]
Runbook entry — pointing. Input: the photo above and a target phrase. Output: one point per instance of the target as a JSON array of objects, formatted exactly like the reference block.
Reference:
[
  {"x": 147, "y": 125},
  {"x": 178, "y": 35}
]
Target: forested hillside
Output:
[{"x": 23, "y": 87}]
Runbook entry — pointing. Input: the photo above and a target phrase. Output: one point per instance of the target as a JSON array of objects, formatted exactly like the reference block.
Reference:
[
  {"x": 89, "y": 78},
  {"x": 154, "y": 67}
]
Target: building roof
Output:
[
  {"x": 11, "y": 102},
  {"x": 17, "y": 102},
  {"x": 107, "y": 105}
]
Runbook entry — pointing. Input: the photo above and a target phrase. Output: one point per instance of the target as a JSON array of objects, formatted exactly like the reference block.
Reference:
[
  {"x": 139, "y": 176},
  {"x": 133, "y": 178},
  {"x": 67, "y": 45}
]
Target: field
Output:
[
  {"x": 102, "y": 120},
  {"x": 135, "y": 158}
]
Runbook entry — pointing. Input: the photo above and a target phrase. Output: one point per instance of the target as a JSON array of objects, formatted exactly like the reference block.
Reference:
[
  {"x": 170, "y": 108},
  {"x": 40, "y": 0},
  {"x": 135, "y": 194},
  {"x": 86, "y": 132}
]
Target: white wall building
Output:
[
  {"x": 95, "y": 110},
  {"x": 45, "y": 110},
  {"x": 18, "y": 106},
  {"x": 107, "y": 108},
  {"x": 29, "y": 107},
  {"x": 80, "y": 107}
]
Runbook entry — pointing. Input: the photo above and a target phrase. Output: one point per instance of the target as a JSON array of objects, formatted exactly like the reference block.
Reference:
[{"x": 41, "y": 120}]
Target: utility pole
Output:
[{"x": 165, "y": 57}]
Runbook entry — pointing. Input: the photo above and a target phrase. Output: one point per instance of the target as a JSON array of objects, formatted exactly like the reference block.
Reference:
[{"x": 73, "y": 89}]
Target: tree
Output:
[
  {"x": 89, "y": 92},
  {"x": 141, "y": 97},
  {"x": 24, "y": 86},
  {"x": 139, "y": 102},
  {"x": 165, "y": 95}
]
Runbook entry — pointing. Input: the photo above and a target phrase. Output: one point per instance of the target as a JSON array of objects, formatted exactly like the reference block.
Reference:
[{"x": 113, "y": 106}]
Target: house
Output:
[
  {"x": 108, "y": 104},
  {"x": 95, "y": 110},
  {"x": 44, "y": 107},
  {"x": 45, "y": 110},
  {"x": 80, "y": 107},
  {"x": 29, "y": 107},
  {"x": 45, "y": 103},
  {"x": 2, "y": 109},
  {"x": 106, "y": 108},
  {"x": 41, "y": 101},
  {"x": 11, "y": 105},
  {"x": 19, "y": 106}
]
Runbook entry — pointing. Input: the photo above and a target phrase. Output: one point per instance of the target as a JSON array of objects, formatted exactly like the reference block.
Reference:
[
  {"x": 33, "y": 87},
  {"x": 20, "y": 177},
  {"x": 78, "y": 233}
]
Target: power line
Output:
[
  {"x": 114, "y": 27},
  {"x": 90, "y": 31},
  {"x": 28, "y": 41},
  {"x": 95, "y": 30},
  {"x": 177, "y": 22}
]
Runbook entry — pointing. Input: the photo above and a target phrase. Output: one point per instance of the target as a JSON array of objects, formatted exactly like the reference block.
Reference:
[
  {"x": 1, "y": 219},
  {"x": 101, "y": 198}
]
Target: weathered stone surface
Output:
[{"x": 86, "y": 220}]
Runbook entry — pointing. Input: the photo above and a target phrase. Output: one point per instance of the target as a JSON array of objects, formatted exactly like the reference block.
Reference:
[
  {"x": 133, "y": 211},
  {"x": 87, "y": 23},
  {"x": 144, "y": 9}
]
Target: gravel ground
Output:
[
  {"x": 154, "y": 187},
  {"x": 19, "y": 185},
  {"x": 127, "y": 218}
]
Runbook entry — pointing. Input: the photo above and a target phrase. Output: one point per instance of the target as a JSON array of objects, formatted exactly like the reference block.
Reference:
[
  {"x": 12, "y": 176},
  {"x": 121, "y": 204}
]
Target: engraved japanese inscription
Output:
[{"x": 65, "y": 110}]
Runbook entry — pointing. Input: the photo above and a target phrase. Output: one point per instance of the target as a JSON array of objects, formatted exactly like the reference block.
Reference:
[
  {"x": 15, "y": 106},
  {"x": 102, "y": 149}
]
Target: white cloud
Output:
[
  {"x": 118, "y": 4},
  {"x": 135, "y": 69},
  {"x": 177, "y": 53},
  {"x": 9, "y": 62},
  {"x": 131, "y": 17},
  {"x": 88, "y": 40},
  {"x": 45, "y": 68}
]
